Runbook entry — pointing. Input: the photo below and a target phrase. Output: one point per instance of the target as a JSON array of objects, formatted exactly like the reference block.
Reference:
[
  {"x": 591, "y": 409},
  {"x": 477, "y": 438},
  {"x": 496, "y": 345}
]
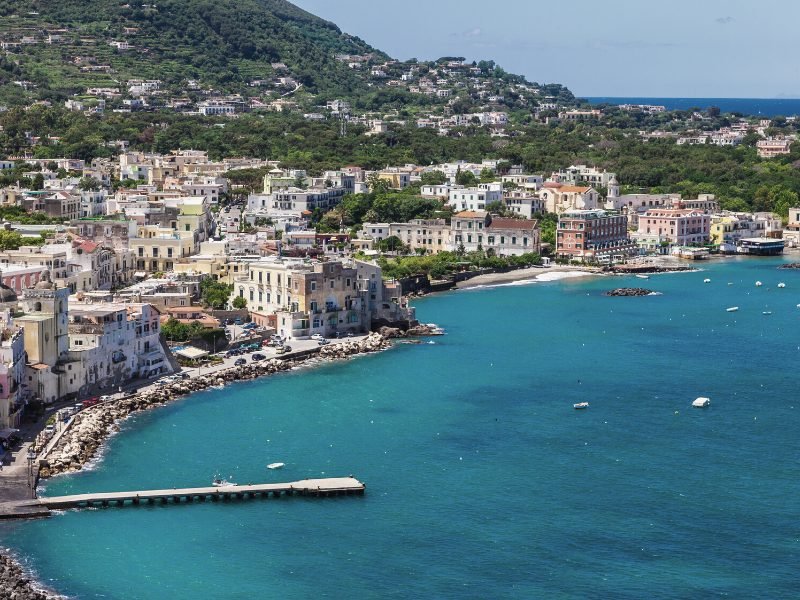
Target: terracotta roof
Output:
[
  {"x": 552, "y": 184},
  {"x": 502, "y": 223},
  {"x": 471, "y": 214},
  {"x": 575, "y": 188}
]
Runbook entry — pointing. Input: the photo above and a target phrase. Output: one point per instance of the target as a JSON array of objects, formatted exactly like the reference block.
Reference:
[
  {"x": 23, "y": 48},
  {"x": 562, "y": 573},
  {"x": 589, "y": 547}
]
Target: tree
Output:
[
  {"x": 433, "y": 178},
  {"x": 38, "y": 182},
  {"x": 239, "y": 302},
  {"x": 88, "y": 184},
  {"x": 10, "y": 240},
  {"x": 215, "y": 294},
  {"x": 391, "y": 244}
]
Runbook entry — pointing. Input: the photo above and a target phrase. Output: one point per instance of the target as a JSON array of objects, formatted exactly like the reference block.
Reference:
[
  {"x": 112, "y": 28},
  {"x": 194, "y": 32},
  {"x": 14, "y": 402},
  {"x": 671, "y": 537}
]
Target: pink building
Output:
[{"x": 676, "y": 226}]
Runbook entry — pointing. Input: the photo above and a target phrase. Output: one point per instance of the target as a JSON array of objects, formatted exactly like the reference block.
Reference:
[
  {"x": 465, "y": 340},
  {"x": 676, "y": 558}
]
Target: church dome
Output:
[{"x": 44, "y": 282}]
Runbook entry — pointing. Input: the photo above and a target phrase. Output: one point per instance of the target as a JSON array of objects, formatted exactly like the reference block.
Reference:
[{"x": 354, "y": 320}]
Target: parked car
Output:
[
  {"x": 323, "y": 342},
  {"x": 283, "y": 349},
  {"x": 318, "y": 337},
  {"x": 240, "y": 361},
  {"x": 258, "y": 356},
  {"x": 249, "y": 326},
  {"x": 237, "y": 321},
  {"x": 90, "y": 402},
  {"x": 50, "y": 430}
]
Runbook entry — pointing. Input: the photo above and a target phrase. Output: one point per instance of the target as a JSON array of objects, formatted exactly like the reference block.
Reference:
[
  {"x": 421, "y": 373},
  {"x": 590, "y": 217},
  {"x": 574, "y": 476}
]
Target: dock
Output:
[{"x": 317, "y": 488}]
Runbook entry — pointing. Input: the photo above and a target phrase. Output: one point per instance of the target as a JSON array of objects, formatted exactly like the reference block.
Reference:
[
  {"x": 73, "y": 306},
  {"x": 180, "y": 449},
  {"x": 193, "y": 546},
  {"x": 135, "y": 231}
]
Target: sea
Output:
[
  {"x": 757, "y": 107},
  {"x": 482, "y": 479}
]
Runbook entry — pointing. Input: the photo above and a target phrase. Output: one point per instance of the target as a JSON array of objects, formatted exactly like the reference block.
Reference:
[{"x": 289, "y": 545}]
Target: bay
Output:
[{"x": 482, "y": 480}]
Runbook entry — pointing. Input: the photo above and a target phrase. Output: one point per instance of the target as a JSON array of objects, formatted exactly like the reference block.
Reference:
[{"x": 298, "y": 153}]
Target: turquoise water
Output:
[{"x": 483, "y": 482}]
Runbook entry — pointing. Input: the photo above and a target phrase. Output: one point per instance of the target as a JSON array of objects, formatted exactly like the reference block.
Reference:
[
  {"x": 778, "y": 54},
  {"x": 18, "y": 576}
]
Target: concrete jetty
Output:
[{"x": 320, "y": 488}]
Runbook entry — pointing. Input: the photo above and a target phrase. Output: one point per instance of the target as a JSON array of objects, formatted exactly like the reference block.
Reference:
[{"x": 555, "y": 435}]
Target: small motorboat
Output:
[
  {"x": 759, "y": 284},
  {"x": 766, "y": 312},
  {"x": 732, "y": 309},
  {"x": 276, "y": 465},
  {"x": 580, "y": 405},
  {"x": 222, "y": 483},
  {"x": 781, "y": 285},
  {"x": 701, "y": 402},
  {"x": 706, "y": 280},
  {"x": 643, "y": 276}
]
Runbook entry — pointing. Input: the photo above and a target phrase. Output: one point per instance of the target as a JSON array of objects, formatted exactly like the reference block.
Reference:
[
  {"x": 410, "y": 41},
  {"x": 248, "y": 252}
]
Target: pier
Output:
[{"x": 317, "y": 488}]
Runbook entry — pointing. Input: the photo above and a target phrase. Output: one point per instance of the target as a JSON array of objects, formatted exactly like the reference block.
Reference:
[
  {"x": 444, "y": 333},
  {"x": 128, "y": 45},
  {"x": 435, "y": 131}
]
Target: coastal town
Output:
[{"x": 119, "y": 285}]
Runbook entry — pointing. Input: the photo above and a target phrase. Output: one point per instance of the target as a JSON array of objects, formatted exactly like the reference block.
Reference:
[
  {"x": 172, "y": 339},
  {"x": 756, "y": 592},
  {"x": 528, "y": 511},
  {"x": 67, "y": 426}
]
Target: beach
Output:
[{"x": 529, "y": 275}]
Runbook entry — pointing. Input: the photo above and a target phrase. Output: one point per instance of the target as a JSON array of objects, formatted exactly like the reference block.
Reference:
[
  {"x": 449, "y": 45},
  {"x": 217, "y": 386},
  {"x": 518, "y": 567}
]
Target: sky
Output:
[{"x": 673, "y": 48}]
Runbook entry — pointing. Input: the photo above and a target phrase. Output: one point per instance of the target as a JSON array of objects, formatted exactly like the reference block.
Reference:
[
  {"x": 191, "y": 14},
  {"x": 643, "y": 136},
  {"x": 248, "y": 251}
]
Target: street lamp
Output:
[{"x": 31, "y": 456}]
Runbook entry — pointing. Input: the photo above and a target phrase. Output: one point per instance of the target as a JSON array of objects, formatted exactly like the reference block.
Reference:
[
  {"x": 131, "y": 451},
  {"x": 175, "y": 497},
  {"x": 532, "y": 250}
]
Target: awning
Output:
[
  {"x": 191, "y": 353},
  {"x": 140, "y": 275}
]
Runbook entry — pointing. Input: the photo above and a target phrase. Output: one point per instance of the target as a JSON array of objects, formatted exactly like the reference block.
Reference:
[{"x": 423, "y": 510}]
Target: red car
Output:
[{"x": 90, "y": 402}]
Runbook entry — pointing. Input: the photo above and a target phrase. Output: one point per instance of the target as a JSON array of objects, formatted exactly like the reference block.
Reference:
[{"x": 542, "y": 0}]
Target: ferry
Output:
[{"x": 580, "y": 405}]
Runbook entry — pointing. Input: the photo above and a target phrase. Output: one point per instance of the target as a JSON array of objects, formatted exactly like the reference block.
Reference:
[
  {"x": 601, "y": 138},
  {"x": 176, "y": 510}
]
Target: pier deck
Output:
[{"x": 334, "y": 486}]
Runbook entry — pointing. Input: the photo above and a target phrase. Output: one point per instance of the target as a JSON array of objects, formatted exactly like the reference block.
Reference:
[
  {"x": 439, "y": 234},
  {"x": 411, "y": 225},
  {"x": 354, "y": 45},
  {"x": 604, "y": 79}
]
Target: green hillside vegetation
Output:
[{"x": 222, "y": 43}]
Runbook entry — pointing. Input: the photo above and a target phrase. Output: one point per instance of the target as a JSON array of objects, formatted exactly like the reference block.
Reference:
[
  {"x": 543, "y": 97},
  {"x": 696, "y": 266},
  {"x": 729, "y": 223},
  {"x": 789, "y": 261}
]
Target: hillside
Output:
[{"x": 62, "y": 47}]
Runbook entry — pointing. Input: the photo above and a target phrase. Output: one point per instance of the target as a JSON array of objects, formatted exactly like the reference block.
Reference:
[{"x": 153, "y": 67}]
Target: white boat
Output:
[
  {"x": 706, "y": 280},
  {"x": 759, "y": 284},
  {"x": 732, "y": 309},
  {"x": 580, "y": 405},
  {"x": 767, "y": 312},
  {"x": 222, "y": 483},
  {"x": 276, "y": 465},
  {"x": 701, "y": 402},
  {"x": 781, "y": 285},
  {"x": 643, "y": 276}
]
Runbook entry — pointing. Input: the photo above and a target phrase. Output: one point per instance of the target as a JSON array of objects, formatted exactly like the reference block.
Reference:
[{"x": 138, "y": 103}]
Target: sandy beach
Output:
[{"x": 529, "y": 275}]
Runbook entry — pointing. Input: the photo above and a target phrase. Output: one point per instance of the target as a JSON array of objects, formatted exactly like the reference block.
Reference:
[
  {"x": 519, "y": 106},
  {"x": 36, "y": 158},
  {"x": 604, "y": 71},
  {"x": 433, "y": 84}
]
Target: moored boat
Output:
[
  {"x": 580, "y": 405},
  {"x": 701, "y": 402},
  {"x": 276, "y": 465}
]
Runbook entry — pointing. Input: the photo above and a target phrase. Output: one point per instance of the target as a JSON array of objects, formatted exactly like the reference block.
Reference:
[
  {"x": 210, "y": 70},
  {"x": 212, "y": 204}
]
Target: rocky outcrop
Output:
[
  {"x": 91, "y": 427},
  {"x": 419, "y": 330},
  {"x": 790, "y": 266},
  {"x": 16, "y": 585},
  {"x": 630, "y": 292}
]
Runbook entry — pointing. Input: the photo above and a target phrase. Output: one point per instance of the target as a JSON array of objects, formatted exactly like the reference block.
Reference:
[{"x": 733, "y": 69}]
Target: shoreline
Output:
[
  {"x": 529, "y": 275},
  {"x": 83, "y": 441},
  {"x": 18, "y": 582}
]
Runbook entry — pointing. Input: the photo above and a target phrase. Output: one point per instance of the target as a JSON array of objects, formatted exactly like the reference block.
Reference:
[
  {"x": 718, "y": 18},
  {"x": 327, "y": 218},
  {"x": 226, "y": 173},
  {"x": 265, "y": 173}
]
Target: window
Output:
[
  {"x": 332, "y": 283},
  {"x": 313, "y": 286},
  {"x": 347, "y": 282}
]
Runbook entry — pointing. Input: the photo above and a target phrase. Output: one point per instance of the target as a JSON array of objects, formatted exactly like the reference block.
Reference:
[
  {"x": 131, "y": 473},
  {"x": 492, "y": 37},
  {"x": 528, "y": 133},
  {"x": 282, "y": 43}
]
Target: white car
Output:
[{"x": 317, "y": 337}]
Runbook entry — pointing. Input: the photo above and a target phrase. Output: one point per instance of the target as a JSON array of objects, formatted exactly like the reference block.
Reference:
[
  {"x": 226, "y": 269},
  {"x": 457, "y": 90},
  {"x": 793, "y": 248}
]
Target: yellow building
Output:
[{"x": 306, "y": 297}]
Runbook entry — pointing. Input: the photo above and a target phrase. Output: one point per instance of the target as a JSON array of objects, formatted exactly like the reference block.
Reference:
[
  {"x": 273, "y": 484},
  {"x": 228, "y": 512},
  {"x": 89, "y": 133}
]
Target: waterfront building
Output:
[
  {"x": 300, "y": 298},
  {"x": 666, "y": 227},
  {"x": 12, "y": 366},
  {"x": 581, "y": 174},
  {"x": 594, "y": 236},
  {"x": 480, "y": 231}
]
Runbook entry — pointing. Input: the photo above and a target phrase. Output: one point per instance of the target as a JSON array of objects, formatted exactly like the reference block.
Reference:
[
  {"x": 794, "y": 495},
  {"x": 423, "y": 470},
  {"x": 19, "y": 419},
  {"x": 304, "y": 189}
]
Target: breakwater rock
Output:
[
  {"x": 16, "y": 585},
  {"x": 91, "y": 427},
  {"x": 632, "y": 269},
  {"x": 790, "y": 266},
  {"x": 630, "y": 292},
  {"x": 419, "y": 330}
]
